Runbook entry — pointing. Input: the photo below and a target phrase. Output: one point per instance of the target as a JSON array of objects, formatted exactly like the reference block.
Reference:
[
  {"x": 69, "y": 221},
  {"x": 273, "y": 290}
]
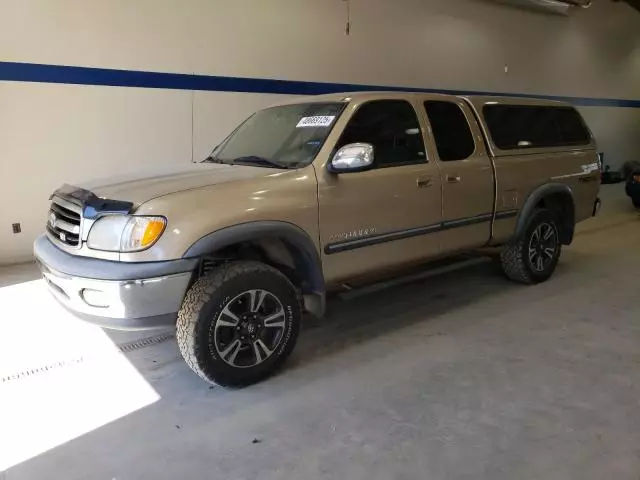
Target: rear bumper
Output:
[{"x": 131, "y": 297}]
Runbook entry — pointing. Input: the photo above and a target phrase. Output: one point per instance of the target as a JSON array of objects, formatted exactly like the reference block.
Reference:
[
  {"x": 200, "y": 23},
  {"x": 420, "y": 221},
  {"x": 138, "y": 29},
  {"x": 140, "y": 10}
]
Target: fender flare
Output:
[
  {"x": 532, "y": 200},
  {"x": 309, "y": 263}
]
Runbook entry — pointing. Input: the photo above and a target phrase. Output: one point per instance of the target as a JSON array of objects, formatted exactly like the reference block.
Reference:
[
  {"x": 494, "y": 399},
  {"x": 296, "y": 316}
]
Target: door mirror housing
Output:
[{"x": 354, "y": 157}]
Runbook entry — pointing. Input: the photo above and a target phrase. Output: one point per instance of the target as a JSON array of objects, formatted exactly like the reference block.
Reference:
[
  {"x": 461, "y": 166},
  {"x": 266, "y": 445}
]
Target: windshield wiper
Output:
[
  {"x": 212, "y": 159},
  {"x": 255, "y": 160}
]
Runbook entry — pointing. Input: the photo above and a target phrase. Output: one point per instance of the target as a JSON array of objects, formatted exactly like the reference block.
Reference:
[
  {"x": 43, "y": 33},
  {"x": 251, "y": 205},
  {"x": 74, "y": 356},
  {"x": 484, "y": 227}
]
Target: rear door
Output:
[{"x": 466, "y": 174}]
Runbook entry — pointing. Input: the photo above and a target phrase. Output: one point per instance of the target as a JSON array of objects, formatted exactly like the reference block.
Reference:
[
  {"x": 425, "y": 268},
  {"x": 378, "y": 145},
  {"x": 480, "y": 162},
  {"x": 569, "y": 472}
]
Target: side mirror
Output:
[{"x": 354, "y": 157}]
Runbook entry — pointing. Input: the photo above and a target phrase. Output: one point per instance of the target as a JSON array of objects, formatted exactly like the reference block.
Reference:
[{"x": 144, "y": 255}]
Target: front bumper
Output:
[{"x": 124, "y": 296}]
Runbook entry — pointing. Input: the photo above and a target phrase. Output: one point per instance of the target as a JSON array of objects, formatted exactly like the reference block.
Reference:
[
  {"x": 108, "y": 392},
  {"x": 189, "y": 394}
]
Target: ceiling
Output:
[
  {"x": 546, "y": 6},
  {"x": 562, "y": 7}
]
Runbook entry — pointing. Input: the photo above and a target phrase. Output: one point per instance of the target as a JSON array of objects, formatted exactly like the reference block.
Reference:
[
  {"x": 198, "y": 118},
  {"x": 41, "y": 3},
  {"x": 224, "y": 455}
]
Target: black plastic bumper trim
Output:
[{"x": 53, "y": 258}]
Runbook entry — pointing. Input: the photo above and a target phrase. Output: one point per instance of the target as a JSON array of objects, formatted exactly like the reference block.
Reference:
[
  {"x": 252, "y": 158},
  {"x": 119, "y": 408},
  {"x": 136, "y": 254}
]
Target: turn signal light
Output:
[{"x": 152, "y": 231}]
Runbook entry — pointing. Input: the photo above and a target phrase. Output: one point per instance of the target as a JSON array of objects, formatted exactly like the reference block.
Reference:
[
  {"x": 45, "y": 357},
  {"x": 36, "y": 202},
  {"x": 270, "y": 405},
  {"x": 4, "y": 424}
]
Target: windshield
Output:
[{"x": 288, "y": 136}]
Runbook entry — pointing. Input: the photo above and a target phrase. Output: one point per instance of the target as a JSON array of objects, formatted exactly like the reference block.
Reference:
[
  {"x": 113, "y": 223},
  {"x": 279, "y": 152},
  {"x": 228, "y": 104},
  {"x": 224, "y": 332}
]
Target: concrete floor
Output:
[{"x": 464, "y": 375}]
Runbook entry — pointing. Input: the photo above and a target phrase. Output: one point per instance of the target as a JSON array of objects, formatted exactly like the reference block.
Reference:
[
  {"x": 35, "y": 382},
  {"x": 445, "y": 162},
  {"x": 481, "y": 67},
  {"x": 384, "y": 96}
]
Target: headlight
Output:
[{"x": 125, "y": 233}]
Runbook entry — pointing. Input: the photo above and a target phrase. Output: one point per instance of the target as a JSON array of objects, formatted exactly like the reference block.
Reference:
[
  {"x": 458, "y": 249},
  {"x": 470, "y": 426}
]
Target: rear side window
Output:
[
  {"x": 530, "y": 126},
  {"x": 392, "y": 127},
  {"x": 571, "y": 126},
  {"x": 451, "y": 131}
]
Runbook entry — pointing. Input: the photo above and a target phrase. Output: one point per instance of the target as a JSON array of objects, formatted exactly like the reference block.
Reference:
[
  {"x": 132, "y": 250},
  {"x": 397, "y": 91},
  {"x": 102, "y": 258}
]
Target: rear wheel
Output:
[
  {"x": 238, "y": 324},
  {"x": 533, "y": 256}
]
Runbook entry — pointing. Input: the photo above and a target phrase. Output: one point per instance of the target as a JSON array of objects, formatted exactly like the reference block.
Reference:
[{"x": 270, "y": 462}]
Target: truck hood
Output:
[{"x": 142, "y": 187}]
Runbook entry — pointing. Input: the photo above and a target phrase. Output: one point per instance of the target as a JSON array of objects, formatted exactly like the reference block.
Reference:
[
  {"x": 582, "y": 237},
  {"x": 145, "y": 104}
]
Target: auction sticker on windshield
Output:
[{"x": 316, "y": 121}]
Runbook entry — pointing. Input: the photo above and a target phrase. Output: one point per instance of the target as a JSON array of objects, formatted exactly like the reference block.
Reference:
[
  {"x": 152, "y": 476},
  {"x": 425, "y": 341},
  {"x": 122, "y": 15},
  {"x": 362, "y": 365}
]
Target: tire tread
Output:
[
  {"x": 196, "y": 298},
  {"x": 512, "y": 256},
  {"x": 513, "y": 262}
]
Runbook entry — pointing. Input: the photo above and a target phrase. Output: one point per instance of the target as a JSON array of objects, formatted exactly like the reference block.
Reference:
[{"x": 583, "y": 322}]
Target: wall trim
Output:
[{"x": 74, "y": 75}]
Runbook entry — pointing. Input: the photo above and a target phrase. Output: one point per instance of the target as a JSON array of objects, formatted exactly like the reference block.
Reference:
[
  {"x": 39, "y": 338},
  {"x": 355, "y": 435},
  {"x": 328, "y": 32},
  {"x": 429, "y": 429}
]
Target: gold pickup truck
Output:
[{"x": 311, "y": 195}]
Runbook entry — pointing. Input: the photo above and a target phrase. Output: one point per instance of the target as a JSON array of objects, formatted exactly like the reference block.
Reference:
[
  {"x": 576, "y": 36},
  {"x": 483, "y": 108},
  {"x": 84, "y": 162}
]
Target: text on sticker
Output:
[{"x": 316, "y": 121}]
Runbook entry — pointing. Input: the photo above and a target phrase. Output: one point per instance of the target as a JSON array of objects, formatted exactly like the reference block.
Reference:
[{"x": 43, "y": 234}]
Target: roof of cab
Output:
[
  {"x": 477, "y": 100},
  {"x": 481, "y": 100},
  {"x": 360, "y": 96}
]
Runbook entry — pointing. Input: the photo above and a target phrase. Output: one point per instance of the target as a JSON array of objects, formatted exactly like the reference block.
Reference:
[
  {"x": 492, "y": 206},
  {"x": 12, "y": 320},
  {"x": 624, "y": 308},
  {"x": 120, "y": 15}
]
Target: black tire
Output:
[
  {"x": 628, "y": 168},
  {"x": 205, "y": 312},
  {"x": 515, "y": 259}
]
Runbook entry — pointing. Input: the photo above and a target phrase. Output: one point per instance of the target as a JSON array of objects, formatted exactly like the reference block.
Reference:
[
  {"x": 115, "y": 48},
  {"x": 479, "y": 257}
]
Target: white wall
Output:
[{"x": 54, "y": 133}]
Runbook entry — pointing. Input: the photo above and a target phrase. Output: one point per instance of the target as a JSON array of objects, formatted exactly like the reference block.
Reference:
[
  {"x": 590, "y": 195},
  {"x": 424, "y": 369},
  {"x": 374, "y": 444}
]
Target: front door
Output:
[
  {"x": 468, "y": 189},
  {"x": 382, "y": 217}
]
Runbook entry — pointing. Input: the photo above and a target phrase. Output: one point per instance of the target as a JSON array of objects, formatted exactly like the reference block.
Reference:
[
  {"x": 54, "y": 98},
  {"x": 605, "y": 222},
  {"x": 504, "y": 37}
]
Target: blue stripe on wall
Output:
[{"x": 31, "y": 72}]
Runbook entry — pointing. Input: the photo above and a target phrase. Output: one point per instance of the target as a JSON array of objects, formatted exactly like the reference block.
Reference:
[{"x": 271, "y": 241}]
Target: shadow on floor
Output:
[
  {"x": 15, "y": 274},
  {"x": 358, "y": 320},
  {"x": 347, "y": 324}
]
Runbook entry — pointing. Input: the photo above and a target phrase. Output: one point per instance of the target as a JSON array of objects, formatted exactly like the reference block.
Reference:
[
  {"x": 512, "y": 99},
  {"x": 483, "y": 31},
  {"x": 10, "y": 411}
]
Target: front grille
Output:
[{"x": 64, "y": 222}]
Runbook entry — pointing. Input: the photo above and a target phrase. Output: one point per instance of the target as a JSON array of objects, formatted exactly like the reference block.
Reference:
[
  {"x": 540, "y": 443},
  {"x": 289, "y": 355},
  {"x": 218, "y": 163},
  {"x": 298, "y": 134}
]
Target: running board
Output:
[{"x": 432, "y": 269}]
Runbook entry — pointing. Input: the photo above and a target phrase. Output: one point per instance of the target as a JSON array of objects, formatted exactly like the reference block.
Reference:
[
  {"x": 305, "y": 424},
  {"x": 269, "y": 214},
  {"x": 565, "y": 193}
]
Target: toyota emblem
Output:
[{"x": 52, "y": 220}]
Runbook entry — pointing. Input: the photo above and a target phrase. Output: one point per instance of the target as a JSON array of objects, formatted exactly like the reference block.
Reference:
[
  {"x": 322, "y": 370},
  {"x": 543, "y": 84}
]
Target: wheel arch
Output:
[
  {"x": 553, "y": 196},
  {"x": 280, "y": 244}
]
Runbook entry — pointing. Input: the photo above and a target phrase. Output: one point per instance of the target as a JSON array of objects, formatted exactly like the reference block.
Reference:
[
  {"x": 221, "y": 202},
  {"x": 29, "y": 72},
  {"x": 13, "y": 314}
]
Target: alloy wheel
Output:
[
  {"x": 249, "y": 328},
  {"x": 543, "y": 246}
]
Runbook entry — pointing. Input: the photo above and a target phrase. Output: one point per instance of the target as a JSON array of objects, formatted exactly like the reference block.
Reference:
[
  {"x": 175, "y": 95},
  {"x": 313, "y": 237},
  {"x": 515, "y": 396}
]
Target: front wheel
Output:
[
  {"x": 532, "y": 257},
  {"x": 238, "y": 324}
]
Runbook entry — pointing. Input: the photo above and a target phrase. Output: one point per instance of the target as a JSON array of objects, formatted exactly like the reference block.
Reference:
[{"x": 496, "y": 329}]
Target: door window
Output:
[
  {"x": 392, "y": 127},
  {"x": 451, "y": 130}
]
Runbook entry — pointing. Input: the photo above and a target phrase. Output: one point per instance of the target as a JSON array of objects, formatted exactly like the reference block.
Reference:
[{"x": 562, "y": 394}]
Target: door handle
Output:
[
  {"x": 453, "y": 178},
  {"x": 424, "y": 182}
]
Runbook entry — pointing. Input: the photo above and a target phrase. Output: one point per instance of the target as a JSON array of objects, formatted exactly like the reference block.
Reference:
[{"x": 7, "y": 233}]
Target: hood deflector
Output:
[{"x": 92, "y": 206}]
